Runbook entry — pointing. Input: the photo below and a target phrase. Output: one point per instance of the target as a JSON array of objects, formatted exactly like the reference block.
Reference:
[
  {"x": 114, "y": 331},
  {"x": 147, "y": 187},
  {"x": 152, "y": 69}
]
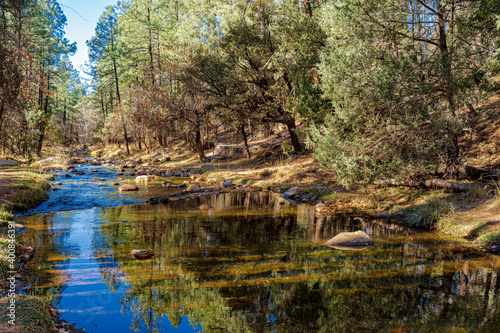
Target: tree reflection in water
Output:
[{"x": 253, "y": 265}]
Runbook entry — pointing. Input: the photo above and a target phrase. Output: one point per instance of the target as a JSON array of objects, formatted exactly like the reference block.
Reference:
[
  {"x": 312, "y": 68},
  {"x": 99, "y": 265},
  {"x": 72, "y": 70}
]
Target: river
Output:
[{"x": 252, "y": 263}]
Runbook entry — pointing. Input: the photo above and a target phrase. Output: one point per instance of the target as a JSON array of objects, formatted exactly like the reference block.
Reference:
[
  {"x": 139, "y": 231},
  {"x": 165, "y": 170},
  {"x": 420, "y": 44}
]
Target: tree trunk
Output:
[
  {"x": 452, "y": 151},
  {"x": 294, "y": 138},
  {"x": 247, "y": 150},
  {"x": 125, "y": 136}
]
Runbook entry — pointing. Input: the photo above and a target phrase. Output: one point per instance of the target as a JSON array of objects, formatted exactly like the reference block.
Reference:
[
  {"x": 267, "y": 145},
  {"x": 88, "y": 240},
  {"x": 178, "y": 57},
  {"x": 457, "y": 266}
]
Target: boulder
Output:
[
  {"x": 321, "y": 208},
  {"x": 55, "y": 167},
  {"x": 227, "y": 183},
  {"x": 97, "y": 179},
  {"x": 204, "y": 207},
  {"x": 193, "y": 188},
  {"x": 293, "y": 192},
  {"x": 128, "y": 187},
  {"x": 183, "y": 185},
  {"x": 8, "y": 162},
  {"x": 208, "y": 166},
  {"x": 221, "y": 149},
  {"x": 350, "y": 239},
  {"x": 142, "y": 254},
  {"x": 167, "y": 183},
  {"x": 75, "y": 160},
  {"x": 144, "y": 178}
]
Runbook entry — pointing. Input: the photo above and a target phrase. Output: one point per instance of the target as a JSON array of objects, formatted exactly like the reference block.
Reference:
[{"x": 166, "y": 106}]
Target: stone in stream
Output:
[
  {"x": 193, "y": 188},
  {"x": 57, "y": 183},
  {"x": 204, "y": 207},
  {"x": 293, "y": 192},
  {"x": 350, "y": 241},
  {"x": 321, "y": 208},
  {"x": 142, "y": 254},
  {"x": 167, "y": 183},
  {"x": 128, "y": 187},
  {"x": 97, "y": 179}
]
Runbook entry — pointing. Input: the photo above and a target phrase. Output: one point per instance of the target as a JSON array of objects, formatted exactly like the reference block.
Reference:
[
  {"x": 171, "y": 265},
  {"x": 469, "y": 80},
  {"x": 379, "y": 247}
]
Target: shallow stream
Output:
[{"x": 249, "y": 264}]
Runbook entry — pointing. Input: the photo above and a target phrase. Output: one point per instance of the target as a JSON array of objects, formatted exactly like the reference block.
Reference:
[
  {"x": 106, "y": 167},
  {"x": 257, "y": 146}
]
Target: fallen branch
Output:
[
  {"x": 469, "y": 172},
  {"x": 432, "y": 183}
]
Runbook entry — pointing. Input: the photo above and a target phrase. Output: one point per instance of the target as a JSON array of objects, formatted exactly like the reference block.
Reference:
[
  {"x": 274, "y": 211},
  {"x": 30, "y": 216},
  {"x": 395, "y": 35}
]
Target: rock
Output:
[
  {"x": 55, "y": 167},
  {"x": 204, "y": 207},
  {"x": 208, "y": 166},
  {"x": 142, "y": 254},
  {"x": 383, "y": 217},
  {"x": 101, "y": 184},
  {"x": 350, "y": 239},
  {"x": 144, "y": 178},
  {"x": 145, "y": 164},
  {"x": 75, "y": 160},
  {"x": 57, "y": 183},
  {"x": 50, "y": 160},
  {"x": 321, "y": 208},
  {"x": 221, "y": 149},
  {"x": 193, "y": 188},
  {"x": 227, "y": 183},
  {"x": 95, "y": 170},
  {"x": 46, "y": 186},
  {"x": 183, "y": 185},
  {"x": 119, "y": 174},
  {"x": 67, "y": 176},
  {"x": 116, "y": 184},
  {"x": 8, "y": 162},
  {"x": 293, "y": 192},
  {"x": 97, "y": 179},
  {"x": 167, "y": 183},
  {"x": 397, "y": 215},
  {"x": 128, "y": 187},
  {"x": 494, "y": 248}
]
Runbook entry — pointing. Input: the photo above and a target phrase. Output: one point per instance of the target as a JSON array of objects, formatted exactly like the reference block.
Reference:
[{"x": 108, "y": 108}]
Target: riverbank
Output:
[{"x": 21, "y": 188}]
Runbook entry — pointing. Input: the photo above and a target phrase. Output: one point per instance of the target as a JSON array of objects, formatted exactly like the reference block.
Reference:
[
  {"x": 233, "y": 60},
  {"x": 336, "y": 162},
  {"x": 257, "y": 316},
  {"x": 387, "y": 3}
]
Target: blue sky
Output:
[{"x": 80, "y": 29}]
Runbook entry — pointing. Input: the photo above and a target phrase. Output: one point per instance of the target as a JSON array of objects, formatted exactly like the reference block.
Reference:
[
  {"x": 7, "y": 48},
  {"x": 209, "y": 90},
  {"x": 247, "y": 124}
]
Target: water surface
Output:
[{"x": 251, "y": 264}]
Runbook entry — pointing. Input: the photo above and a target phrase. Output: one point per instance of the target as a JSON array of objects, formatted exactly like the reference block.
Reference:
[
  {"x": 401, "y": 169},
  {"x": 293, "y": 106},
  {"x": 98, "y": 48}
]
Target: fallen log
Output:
[
  {"x": 432, "y": 183},
  {"x": 468, "y": 172}
]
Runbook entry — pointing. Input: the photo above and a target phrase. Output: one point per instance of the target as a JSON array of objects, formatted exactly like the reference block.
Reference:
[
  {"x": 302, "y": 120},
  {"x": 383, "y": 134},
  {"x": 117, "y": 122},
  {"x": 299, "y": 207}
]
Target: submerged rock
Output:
[
  {"x": 142, "y": 254},
  {"x": 128, "y": 187},
  {"x": 350, "y": 239}
]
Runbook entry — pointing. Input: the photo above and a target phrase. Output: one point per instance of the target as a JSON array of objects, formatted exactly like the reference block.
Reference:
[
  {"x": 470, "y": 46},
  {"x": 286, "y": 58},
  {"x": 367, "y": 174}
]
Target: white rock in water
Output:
[{"x": 358, "y": 238}]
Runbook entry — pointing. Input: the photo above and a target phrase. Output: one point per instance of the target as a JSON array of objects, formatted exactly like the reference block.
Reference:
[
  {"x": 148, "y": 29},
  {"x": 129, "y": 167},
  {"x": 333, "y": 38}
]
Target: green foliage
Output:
[{"x": 395, "y": 81}]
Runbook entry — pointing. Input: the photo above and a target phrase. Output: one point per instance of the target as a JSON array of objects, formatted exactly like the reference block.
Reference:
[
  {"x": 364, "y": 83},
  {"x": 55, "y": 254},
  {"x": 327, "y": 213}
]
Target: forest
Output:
[{"x": 380, "y": 88}]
